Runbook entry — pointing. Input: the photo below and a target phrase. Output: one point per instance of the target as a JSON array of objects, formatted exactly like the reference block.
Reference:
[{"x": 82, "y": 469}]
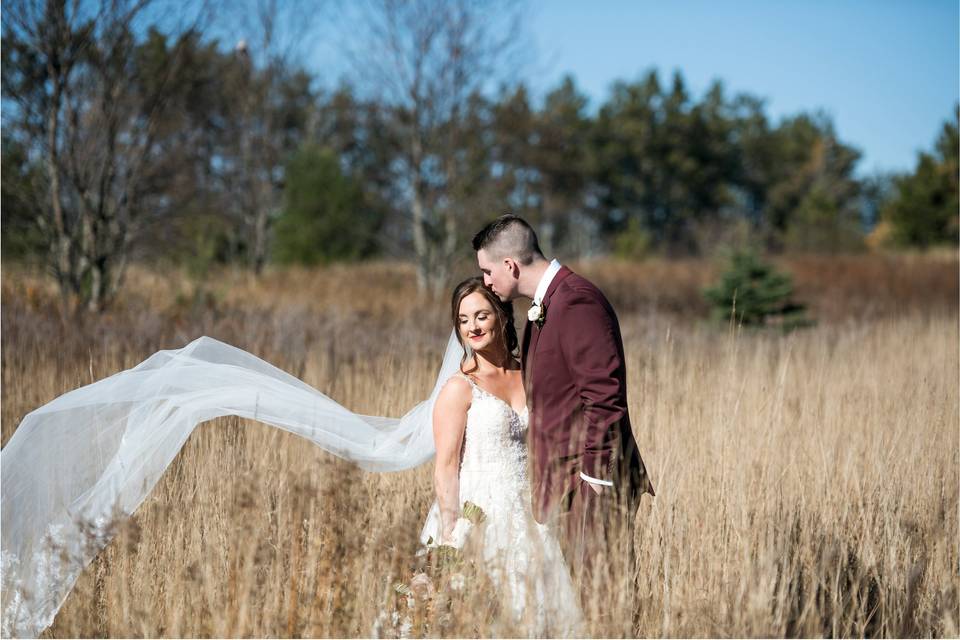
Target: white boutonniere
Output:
[{"x": 537, "y": 314}]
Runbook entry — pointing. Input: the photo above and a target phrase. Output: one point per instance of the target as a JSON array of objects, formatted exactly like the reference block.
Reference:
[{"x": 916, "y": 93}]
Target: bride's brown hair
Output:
[{"x": 507, "y": 332}]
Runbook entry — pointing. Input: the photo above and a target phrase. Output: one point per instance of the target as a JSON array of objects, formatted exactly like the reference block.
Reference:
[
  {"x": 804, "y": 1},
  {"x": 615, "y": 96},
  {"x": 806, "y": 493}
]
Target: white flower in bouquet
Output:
[
  {"x": 458, "y": 537},
  {"x": 458, "y": 581}
]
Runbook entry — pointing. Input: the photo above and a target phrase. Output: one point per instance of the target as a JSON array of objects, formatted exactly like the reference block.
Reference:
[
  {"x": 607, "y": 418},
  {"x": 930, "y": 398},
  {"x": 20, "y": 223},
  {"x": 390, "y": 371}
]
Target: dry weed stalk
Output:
[{"x": 807, "y": 484}]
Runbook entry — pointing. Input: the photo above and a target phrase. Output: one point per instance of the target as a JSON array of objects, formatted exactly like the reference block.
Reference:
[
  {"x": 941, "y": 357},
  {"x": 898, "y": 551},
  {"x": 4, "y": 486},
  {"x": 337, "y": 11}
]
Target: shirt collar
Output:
[{"x": 545, "y": 281}]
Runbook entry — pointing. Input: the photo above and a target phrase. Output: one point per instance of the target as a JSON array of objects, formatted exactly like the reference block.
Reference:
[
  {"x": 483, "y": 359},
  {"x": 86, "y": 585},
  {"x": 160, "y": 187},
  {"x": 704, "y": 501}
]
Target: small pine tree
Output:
[
  {"x": 326, "y": 217},
  {"x": 753, "y": 293}
]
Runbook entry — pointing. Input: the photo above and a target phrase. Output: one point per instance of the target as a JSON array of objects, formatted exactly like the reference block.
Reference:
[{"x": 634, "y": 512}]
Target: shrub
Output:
[
  {"x": 753, "y": 293},
  {"x": 633, "y": 243}
]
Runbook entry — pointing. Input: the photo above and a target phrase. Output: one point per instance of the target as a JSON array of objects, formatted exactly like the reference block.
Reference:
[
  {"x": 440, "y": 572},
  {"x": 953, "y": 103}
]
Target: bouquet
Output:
[{"x": 441, "y": 575}]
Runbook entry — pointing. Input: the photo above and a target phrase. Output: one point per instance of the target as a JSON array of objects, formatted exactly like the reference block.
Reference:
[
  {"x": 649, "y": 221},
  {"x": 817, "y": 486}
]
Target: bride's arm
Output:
[{"x": 449, "y": 423}]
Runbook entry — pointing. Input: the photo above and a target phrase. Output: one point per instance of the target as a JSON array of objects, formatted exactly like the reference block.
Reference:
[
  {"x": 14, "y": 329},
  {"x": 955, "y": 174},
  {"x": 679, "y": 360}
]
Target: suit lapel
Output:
[
  {"x": 531, "y": 332},
  {"x": 525, "y": 353},
  {"x": 531, "y": 355}
]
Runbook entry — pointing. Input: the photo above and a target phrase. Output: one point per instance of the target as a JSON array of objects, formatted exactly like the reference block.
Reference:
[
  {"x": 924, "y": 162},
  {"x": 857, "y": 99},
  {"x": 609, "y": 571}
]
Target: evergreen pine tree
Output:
[{"x": 753, "y": 293}]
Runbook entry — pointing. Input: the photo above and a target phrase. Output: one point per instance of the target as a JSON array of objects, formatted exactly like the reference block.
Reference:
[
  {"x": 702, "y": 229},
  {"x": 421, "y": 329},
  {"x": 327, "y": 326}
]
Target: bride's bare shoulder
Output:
[
  {"x": 452, "y": 404},
  {"x": 456, "y": 391}
]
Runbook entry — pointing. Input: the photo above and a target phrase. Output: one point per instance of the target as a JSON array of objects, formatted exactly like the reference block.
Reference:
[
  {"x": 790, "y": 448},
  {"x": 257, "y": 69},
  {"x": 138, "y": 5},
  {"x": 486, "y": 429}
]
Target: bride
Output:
[
  {"x": 479, "y": 425},
  {"x": 77, "y": 463}
]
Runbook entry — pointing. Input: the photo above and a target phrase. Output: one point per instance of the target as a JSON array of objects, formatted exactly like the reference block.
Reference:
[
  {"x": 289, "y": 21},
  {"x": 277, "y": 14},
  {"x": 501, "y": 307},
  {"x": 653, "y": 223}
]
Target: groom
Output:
[{"x": 585, "y": 466}]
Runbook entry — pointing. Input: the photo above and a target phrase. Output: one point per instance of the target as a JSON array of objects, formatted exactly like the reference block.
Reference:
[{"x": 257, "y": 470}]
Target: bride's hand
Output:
[{"x": 458, "y": 535}]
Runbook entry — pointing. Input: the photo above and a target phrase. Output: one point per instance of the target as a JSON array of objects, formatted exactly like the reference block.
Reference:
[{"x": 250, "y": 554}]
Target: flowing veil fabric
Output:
[{"x": 91, "y": 454}]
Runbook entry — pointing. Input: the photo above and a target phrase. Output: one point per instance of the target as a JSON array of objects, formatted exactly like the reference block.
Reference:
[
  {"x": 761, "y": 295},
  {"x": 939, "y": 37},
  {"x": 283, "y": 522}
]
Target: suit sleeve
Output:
[{"x": 591, "y": 349}]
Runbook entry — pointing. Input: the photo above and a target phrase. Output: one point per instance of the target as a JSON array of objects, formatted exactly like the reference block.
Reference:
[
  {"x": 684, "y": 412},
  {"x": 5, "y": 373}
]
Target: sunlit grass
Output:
[{"x": 807, "y": 484}]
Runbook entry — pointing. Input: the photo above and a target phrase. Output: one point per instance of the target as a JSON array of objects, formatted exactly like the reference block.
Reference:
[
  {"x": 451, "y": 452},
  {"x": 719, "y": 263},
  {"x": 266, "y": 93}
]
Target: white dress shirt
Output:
[
  {"x": 538, "y": 295},
  {"x": 545, "y": 281}
]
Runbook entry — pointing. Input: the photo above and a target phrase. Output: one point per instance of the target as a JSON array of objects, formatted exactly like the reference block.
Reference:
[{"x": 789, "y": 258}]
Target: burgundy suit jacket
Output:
[{"x": 576, "y": 384}]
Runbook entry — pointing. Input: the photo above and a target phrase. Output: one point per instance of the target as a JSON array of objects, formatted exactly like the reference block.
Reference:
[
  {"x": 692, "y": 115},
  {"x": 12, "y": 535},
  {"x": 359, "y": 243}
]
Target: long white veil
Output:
[{"x": 91, "y": 454}]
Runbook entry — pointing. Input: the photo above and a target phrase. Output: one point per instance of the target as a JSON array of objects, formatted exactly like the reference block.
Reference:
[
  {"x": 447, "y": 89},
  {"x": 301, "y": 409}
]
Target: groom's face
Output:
[{"x": 498, "y": 275}]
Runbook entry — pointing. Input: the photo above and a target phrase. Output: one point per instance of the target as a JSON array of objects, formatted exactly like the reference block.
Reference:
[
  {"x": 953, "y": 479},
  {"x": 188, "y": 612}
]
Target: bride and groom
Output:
[
  {"x": 546, "y": 436},
  {"x": 544, "y": 445}
]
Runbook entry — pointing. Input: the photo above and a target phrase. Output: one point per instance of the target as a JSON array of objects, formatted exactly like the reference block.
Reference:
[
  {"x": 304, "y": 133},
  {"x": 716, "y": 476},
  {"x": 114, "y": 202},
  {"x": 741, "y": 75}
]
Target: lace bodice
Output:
[{"x": 495, "y": 439}]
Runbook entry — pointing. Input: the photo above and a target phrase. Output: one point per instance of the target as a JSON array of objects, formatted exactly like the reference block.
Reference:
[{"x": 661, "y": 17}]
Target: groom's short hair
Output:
[{"x": 509, "y": 235}]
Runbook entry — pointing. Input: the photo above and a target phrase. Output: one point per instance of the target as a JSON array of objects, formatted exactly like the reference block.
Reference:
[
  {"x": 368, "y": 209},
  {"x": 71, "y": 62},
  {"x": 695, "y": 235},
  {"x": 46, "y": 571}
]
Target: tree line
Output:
[{"x": 128, "y": 138}]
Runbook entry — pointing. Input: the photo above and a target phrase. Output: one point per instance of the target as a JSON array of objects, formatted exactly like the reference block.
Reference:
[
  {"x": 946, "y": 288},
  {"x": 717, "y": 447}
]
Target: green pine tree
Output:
[
  {"x": 924, "y": 210},
  {"x": 325, "y": 218},
  {"x": 752, "y": 293}
]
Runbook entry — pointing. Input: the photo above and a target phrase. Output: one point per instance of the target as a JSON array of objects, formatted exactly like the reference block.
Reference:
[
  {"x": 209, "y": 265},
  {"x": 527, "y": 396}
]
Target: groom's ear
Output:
[{"x": 512, "y": 266}]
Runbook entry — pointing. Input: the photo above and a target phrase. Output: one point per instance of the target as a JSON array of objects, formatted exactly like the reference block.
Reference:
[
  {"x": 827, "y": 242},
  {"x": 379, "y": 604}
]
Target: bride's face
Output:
[{"x": 477, "y": 321}]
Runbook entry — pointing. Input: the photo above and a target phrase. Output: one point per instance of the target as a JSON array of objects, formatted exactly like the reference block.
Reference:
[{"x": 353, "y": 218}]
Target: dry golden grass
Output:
[{"x": 807, "y": 484}]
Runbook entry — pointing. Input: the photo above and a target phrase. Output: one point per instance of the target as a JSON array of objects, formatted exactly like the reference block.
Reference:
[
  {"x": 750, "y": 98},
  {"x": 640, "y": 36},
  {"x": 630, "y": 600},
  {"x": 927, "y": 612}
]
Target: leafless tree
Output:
[
  {"x": 425, "y": 60},
  {"x": 272, "y": 42},
  {"x": 68, "y": 81}
]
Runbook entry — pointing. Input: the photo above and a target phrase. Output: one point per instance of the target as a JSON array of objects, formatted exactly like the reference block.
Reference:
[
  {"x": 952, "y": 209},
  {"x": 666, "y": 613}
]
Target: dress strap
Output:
[{"x": 462, "y": 375}]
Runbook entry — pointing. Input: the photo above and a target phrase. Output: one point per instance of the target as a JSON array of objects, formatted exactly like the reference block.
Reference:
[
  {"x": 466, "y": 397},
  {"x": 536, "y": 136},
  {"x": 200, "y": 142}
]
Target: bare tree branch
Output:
[
  {"x": 425, "y": 59},
  {"x": 98, "y": 130}
]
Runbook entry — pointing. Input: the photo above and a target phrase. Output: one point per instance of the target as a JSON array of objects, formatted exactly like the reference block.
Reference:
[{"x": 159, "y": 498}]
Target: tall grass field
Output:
[{"x": 807, "y": 483}]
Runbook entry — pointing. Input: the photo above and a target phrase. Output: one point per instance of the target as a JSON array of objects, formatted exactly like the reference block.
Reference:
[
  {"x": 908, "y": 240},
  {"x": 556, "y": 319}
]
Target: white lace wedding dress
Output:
[{"x": 521, "y": 555}]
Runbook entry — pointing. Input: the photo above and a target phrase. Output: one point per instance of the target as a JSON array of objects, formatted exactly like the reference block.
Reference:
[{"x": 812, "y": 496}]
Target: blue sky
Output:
[{"x": 886, "y": 71}]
